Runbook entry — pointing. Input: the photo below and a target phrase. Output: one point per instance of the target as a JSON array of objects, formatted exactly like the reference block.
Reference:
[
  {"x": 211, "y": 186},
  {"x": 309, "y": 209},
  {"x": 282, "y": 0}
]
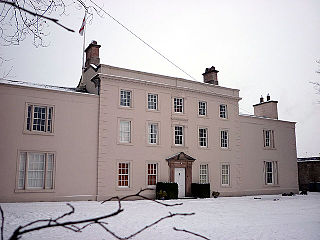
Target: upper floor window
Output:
[
  {"x": 271, "y": 172},
  {"x": 178, "y": 135},
  {"x": 123, "y": 174},
  {"x": 36, "y": 170},
  {"x": 225, "y": 174},
  {"x": 223, "y": 111},
  {"x": 204, "y": 176},
  {"x": 203, "y": 137},
  {"x": 178, "y": 105},
  {"x": 268, "y": 138},
  {"x": 125, "y": 98},
  {"x": 152, "y": 101},
  {"x": 125, "y": 131},
  {"x": 39, "y": 118},
  {"x": 153, "y": 133},
  {"x": 202, "y": 108},
  {"x": 224, "y": 139},
  {"x": 152, "y": 173}
]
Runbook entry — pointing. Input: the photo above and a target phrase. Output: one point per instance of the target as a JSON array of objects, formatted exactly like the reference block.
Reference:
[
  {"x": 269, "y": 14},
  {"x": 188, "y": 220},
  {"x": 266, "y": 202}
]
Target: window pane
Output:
[
  {"x": 152, "y": 173},
  {"x": 204, "y": 173},
  {"x": 152, "y": 101},
  {"x": 125, "y": 98},
  {"x": 36, "y": 167},
  {"x": 22, "y": 165},
  {"x": 125, "y": 131},
  {"x": 29, "y": 117}
]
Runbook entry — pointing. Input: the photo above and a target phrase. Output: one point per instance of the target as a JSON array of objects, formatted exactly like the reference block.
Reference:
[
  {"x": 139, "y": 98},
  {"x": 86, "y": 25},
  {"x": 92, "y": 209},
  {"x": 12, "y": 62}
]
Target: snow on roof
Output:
[
  {"x": 309, "y": 159},
  {"x": 37, "y": 85}
]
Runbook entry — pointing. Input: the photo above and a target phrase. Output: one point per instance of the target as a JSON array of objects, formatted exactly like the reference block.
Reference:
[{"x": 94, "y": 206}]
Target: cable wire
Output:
[{"x": 140, "y": 39}]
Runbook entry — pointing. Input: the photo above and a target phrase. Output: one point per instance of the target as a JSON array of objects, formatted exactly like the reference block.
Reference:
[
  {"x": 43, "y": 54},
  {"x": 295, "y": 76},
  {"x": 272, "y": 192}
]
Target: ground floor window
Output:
[
  {"x": 152, "y": 173},
  {"x": 204, "y": 176},
  {"x": 271, "y": 172},
  {"x": 36, "y": 170},
  {"x": 225, "y": 174},
  {"x": 123, "y": 174}
]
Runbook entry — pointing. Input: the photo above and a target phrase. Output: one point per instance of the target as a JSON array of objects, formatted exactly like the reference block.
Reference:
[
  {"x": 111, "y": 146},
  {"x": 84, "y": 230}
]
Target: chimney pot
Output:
[
  {"x": 261, "y": 99},
  {"x": 268, "y": 97}
]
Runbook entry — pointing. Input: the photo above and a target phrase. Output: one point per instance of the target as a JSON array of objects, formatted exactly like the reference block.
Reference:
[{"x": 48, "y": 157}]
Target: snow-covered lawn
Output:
[{"x": 271, "y": 217}]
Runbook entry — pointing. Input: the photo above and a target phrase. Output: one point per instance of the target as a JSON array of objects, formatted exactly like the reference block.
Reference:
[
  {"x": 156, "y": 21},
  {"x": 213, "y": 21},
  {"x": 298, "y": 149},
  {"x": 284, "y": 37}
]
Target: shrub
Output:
[
  {"x": 200, "y": 190},
  {"x": 166, "y": 190},
  {"x": 215, "y": 194}
]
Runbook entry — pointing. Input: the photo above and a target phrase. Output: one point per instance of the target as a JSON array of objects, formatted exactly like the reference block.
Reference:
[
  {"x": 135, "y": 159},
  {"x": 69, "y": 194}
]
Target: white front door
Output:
[{"x": 180, "y": 178}]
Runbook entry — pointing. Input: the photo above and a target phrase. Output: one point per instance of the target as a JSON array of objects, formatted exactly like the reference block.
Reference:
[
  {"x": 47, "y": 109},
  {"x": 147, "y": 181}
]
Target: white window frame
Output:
[
  {"x": 153, "y": 101},
  {"x": 225, "y": 174},
  {"x": 153, "y": 172},
  {"x": 178, "y": 105},
  {"x": 271, "y": 172},
  {"x": 203, "y": 138},
  {"x": 44, "y": 121},
  {"x": 123, "y": 131},
  {"x": 203, "y": 173},
  {"x": 268, "y": 139},
  {"x": 125, "y": 98},
  {"x": 223, "y": 111},
  {"x": 24, "y": 171},
  {"x": 179, "y": 135},
  {"x": 153, "y": 133},
  {"x": 224, "y": 139},
  {"x": 122, "y": 182},
  {"x": 202, "y": 108}
]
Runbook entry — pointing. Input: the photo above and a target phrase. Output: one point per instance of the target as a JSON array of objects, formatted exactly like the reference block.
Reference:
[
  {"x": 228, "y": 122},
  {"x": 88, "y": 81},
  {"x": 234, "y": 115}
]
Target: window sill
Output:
[
  {"x": 125, "y": 108},
  {"x": 153, "y": 110},
  {"x": 269, "y": 148},
  {"x": 225, "y": 186},
  {"x": 223, "y": 119},
  {"x": 34, "y": 190},
  {"x": 203, "y": 116},
  {"x": 123, "y": 188},
  {"x": 125, "y": 144},
  {"x": 225, "y": 149},
  {"x": 203, "y": 148},
  {"x": 38, "y": 133},
  {"x": 152, "y": 145}
]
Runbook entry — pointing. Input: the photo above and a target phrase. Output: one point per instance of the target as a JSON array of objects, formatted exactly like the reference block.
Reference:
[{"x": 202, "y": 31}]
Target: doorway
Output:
[{"x": 180, "y": 179}]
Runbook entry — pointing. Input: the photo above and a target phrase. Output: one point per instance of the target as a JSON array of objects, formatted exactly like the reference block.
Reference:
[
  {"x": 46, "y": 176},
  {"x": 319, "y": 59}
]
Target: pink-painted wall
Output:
[{"x": 74, "y": 142}]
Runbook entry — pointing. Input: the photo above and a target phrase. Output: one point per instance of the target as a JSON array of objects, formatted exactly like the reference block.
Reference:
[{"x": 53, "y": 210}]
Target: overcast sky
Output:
[{"x": 259, "y": 47}]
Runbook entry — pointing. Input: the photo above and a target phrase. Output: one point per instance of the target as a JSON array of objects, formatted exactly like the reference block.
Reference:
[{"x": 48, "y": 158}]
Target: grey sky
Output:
[{"x": 259, "y": 47}]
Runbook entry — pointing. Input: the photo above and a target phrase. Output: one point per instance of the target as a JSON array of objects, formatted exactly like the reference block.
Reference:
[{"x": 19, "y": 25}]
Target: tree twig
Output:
[
  {"x": 2, "y": 222},
  {"x": 56, "y": 21},
  {"x": 193, "y": 233}
]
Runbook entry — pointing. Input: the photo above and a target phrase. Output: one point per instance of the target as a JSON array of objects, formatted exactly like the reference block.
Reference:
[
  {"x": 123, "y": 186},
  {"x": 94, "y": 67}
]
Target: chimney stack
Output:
[
  {"x": 92, "y": 54},
  {"x": 211, "y": 76},
  {"x": 268, "y": 109}
]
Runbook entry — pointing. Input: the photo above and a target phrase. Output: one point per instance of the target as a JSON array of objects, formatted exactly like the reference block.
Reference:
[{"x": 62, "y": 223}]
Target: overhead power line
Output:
[{"x": 140, "y": 39}]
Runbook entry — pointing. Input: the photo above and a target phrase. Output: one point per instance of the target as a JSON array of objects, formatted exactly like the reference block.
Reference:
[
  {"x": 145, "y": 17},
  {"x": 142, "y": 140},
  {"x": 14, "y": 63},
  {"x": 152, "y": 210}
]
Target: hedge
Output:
[
  {"x": 166, "y": 190},
  {"x": 200, "y": 190}
]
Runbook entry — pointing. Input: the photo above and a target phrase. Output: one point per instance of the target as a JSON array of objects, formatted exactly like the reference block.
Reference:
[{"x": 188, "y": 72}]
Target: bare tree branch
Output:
[
  {"x": 56, "y": 21},
  {"x": 75, "y": 225},
  {"x": 196, "y": 234},
  {"x": 2, "y": 222}
]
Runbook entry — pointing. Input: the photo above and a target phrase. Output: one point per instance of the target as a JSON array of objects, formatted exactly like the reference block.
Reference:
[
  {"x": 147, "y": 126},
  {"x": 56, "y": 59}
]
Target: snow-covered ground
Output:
[{"x": 271, "y": 217}]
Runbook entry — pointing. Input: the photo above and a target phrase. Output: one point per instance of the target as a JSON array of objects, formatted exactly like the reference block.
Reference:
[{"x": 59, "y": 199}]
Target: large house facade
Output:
[{"x": 122, "y": 130}]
